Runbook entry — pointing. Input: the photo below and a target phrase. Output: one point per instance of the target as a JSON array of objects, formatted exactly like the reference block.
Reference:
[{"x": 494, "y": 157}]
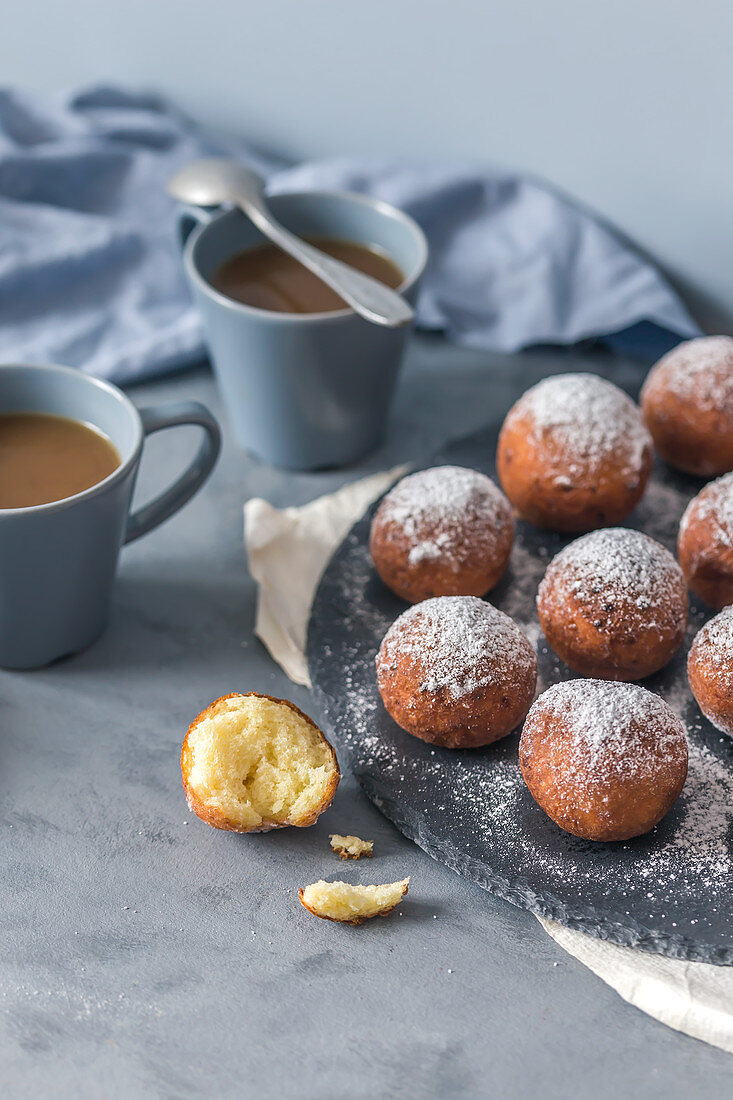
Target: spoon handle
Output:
[{"x": 367, "y": 296}]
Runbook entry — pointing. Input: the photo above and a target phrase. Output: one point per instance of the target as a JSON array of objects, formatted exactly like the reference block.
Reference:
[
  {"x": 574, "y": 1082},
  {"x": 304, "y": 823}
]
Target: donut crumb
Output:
[{"x": 351, "y": 847}]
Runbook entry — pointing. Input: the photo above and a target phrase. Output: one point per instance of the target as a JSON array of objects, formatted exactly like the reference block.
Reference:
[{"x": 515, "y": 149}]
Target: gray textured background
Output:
[
  {"x": 143, "y": 954},
  {"x": 626, "y": 105}
]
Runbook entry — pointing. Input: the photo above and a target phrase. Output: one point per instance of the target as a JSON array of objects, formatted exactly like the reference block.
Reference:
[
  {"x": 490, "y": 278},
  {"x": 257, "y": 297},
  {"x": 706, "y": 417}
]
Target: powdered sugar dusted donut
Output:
[
  {"x": 605, "y": 761},
  {"x": 705, "y": 543},
  {"x": 574, "y": 453},
  {"x": 710, "y": 670},
  {"x": 613, "y": 604},
  {"x": 447, "y": 531},
  {"x": 687, "y": 402},
  {"x": 457, "y": 672}
]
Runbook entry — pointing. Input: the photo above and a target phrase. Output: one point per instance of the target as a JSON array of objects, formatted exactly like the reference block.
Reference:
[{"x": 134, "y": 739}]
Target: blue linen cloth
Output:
[{"x": 90, "y": 273}]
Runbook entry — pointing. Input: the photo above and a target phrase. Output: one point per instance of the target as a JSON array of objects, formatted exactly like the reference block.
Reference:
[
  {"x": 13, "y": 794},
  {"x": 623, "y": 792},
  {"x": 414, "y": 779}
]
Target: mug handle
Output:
[
  {"x": 193, "y": 477},
  {"x": 190, "y": 218}
]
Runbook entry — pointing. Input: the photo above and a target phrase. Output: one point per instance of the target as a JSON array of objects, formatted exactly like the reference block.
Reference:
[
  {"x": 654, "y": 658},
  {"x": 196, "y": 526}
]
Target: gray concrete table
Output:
[{"x": 143, "y": 954}]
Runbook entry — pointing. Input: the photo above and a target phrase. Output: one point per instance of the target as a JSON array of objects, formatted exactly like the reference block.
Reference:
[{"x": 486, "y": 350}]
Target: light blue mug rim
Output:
[
  {"x": 117, "y": 475},
  {"x": 276, "y": 317}
]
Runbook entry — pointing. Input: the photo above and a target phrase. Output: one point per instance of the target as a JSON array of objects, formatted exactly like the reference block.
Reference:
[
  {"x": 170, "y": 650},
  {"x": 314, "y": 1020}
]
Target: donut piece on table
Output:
[
  {"x": 710, "y": 670},
  {"x": 574, "y": 454},
  {"x": 456, "y": 672},
  {"x": 687, "y": 401},
  {"x": 705, "y": 543},
  {"x": 447, "y": 531},
  {"x": 251, "y": 763},
  {"x": 605, "y": 761},
  {"x": 613, "y": 604}
]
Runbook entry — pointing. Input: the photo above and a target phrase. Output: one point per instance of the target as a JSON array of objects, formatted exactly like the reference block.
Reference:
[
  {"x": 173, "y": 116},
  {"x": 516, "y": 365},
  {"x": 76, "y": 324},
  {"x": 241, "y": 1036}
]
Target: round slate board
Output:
[{"x": 670, "y": 891}]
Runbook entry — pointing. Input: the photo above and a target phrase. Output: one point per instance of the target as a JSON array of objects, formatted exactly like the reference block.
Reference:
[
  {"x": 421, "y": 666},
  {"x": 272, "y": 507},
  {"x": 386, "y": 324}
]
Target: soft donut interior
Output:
[
  {"x": 351, "y": 847},
  {"x": 340, "y": 901},
  {"x": 258, "y": 761}
]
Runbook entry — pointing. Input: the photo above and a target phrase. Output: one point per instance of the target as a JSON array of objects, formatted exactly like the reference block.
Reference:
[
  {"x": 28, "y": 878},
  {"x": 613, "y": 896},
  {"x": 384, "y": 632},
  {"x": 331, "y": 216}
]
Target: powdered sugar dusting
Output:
[
  {"x": 444, "y": 513},
  {"x": 431, "y": 549},
  {"x": 716, "y": 639},
  {"x": 700, "y": 371},
  {"x": 711, "y": 665},
  {"x": 703, "y": 838},
  {"x": 615, "y": 568},
  {"x": 588, "y": 420},
  {"x": 615, "y": 726},
  {"x": 708, "y": 814},
  {"x": 713, "y": 505},
  {"x": 460, "y": 642}
]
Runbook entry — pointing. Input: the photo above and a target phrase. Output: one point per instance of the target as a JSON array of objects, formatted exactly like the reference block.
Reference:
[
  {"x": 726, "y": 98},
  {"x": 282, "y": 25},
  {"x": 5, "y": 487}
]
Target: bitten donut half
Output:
[
  {"x": 574, "y": 454},
  {"x": 251, "y": 763},
  {"x": 605, "y": 761}
]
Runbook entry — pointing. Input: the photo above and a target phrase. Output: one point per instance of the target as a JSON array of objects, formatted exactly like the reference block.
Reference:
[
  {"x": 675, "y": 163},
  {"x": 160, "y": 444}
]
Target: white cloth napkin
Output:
[{"x": 288, "y": 549}]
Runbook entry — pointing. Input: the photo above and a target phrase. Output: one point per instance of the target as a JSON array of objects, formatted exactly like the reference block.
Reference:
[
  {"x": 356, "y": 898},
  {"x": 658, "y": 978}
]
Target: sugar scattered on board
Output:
[{"x": 688, "y": 856}]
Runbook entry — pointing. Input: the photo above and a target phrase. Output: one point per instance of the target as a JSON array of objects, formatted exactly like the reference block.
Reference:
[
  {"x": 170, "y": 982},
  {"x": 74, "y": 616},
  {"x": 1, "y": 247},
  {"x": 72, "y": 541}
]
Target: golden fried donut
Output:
[
  {"x": 605, "y": 761},
  {"x": 705, "y": 543},
  {"x": 613, "y": 604},
  {"x": 710, "y": 670},
  {"x": 574, "y": 454},
  {"x": 687, "y": 401},
  {"x": 456, "y": 672},
  {"x": 447, "y": 531},
  {"x": 251, "y": 763}
]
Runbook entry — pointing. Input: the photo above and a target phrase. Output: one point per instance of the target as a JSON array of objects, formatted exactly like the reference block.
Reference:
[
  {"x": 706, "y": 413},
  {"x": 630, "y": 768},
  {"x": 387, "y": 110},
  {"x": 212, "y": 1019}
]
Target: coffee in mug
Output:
[
  {"x": 44, "y": 458},
  {"x": 70, "y": 448},
  {"x": 268, "y": 278}
]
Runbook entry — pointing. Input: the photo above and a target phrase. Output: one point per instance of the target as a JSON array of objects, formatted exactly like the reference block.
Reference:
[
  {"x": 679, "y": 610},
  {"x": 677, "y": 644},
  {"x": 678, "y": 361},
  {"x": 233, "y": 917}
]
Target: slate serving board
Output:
[{"x": 669, "y": 892}]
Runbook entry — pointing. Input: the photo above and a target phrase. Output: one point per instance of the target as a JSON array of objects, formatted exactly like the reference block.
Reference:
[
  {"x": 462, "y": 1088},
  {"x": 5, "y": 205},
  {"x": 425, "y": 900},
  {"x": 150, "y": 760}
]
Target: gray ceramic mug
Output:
[
  {"x": 58, "y": 560},
  {"x": 303, "y": 391}
]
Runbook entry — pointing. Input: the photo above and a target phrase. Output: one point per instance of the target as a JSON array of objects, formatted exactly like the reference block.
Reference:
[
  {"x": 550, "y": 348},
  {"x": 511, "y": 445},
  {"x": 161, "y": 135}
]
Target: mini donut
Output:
[
  {"x": 710, "y": 670},
  {"x": 447, "y": 531},
  {"x": 456, "y": 672},
  {"x": 613, "y": 604},
  {"x": 574, "y": 454},
  {"x": 705, "y": 543},
  {"x": 687, "y": 401},
  {"x": 605, "y": 761}
]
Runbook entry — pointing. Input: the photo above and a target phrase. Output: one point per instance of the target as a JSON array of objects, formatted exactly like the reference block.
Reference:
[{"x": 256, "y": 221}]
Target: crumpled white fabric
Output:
[
  {"x": 696, "y": 998},
  {"x": 288, "y": 549}
]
